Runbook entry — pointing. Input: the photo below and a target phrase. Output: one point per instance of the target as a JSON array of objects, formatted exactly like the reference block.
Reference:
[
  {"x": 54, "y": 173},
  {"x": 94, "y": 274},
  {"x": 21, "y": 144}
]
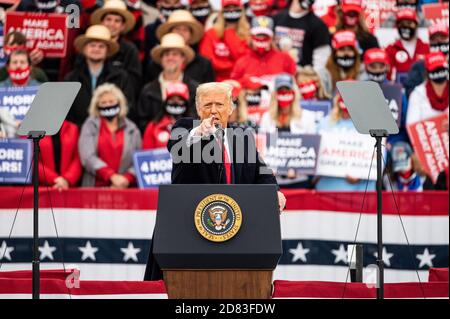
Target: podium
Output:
[{"x": 218, "y": 241}]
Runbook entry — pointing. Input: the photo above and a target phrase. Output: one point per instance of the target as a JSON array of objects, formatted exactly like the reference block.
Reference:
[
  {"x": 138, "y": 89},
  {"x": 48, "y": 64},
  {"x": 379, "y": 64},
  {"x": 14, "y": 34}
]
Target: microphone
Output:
[{"x": 219, "y": 133}]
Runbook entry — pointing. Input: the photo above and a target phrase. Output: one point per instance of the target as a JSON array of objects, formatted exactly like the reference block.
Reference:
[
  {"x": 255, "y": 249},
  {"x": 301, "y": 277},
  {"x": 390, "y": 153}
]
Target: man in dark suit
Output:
[{"x": 204, "y": 153}]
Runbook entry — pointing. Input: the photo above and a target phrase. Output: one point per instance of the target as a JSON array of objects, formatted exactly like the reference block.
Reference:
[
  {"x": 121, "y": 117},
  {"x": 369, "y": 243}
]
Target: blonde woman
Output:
[
  {"x": 227, "y": 40},
  {"x": 285, "y": 113},
  {"x": 310, "y": 84},
  {"x": 108, "y": 141}
]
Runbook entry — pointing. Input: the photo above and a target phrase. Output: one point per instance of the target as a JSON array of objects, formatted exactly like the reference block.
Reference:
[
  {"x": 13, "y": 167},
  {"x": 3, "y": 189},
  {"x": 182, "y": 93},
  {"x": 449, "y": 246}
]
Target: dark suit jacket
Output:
[{"x": 246, "y": 165}]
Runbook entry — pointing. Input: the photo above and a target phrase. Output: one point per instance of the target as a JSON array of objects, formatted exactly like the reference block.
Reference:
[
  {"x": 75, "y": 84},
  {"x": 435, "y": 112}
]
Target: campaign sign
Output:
[
  {"x": 292, "y": 151},
  {"x": 393, "y": 94},
  {"x": 15, "y": 161},
  {"x": 346, "y": 153},
  {"x": 153, "y": 167},
  {"x": 17, "y": 100},
  {"x": 319, "y": 108},
  {"x": 44, "y": 31},
  {"x": 430, "y": 142},
  {"x": 437, "y": 13}
]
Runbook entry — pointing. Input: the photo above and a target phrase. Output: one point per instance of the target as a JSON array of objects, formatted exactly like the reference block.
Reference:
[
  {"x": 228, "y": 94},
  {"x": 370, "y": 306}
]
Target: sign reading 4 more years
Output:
[
  {"x": 17, "y": 100},
  {"x": 153, "y": 167},
  {"x": 15, "y": 161}
]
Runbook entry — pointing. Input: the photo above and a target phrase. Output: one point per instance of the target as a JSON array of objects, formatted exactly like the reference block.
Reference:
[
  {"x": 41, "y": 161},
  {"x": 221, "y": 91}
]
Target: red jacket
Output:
[
  {"x": 157, "y": 134},
  {"x": 274, "y": 62},
  {"x": 399, "y": 58},
  {"x": 70, "y": 165},
  {"x": 223, "y": 53}
]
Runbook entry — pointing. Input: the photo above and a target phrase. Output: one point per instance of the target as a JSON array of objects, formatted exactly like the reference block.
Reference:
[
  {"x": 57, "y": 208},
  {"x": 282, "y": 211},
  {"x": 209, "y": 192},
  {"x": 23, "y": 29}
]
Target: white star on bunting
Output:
[
  {"x": 299, "y": 253},
  {"x": 341, "y": 254},
  {"x": 5, "y": 251},
  {"x": 88, "y": 251},
  {"x": 386, "y": 257},
  {"x": 130, "y": 252},
  {"x": 426, "y": 258},
  {"x": 46, "y": 251}
]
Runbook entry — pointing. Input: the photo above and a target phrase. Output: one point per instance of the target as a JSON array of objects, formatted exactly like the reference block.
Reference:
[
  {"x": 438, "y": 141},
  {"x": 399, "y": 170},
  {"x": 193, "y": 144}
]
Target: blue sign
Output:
[
  {"x": 15, "y": 161},
  {"x": 394, "y": 96},
  {"x": 321, "y": 108},
  {"x": 2, "y": 53},
  {"x": 153, "y": 167},
  {"x": 292, "y": 151},
  {"x": 17, "y": 100}
]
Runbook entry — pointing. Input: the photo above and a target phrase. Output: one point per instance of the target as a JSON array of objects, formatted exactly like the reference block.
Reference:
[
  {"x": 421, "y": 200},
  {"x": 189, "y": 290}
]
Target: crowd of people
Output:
[{"x": 141, "y": 61}]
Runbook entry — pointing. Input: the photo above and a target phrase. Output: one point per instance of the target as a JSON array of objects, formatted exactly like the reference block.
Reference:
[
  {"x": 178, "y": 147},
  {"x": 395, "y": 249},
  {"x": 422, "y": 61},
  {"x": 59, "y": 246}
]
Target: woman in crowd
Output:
[
  {"x": 339, "y": 121},
  {"x": 175, "y": 106},
  {"x": 227, "y": 40},
  {"x": 350, "y": 16},
  {"x": 61, "y": 166},
  {"x": 286, "y": 115},
  {"x": 310, "y": 84},
  {"x": 431, "y": 97},
  {"x": 19, "y": 70},
  {"x": 108, "y": 141},
  {"x": 344, "y": 62}
]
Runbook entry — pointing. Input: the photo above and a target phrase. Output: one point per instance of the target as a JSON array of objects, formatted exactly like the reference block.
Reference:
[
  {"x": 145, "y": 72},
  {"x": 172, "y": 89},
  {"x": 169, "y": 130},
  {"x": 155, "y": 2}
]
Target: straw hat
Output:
[
  {"x": 172, "y": 41},
  {"x": 96, "y": 32},
  {"x": 114, "y": 6},
  {"x": 181, "y": 17}
]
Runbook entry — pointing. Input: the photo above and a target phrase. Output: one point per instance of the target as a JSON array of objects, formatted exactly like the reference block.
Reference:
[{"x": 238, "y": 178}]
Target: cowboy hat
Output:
[
  {"x": 98, "y": 33},
  {"x": 181, "y": 17},
  {"x": 117, "y": 7},
  {"x": 172, "y": 41}
]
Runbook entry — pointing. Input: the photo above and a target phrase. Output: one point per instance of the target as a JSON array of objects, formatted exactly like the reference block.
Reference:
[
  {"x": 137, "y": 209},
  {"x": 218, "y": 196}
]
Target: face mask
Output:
[
  {"x": 109, "y": 112},
  {"x": 201, "y": 13},
  {"x": 306, "y": 4},
  {"x": 19, "y": 76},
  {"x": 167, "y": 11},
  {"x": 439, "y": 75},
  {"x": 345, "y": 62},
  {"x": 253, "y": 99},
  {"x": 406, "y": 33},
  {"x": 176, "y": 109},
  {"x": 232, "y": 16},
  {"x": 401, "y": 6},
  {"x": 259, "y": 9},
  {"x": 285, "y": 98},
  {"x": 261, "y": 46},
  {"x": 46, "y": 5},
  {"x": 308, "y": 90},
  {"x": 439, "y": 47},
  {"x": 376, "y": 76},
  {"x": 351, "y": 20}
]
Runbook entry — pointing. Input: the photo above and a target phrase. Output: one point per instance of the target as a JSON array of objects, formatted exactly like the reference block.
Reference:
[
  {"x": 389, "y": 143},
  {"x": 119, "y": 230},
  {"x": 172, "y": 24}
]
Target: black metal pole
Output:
[
  {"x": 380, "y": 288},
  {"x": 36, "y": 277}
]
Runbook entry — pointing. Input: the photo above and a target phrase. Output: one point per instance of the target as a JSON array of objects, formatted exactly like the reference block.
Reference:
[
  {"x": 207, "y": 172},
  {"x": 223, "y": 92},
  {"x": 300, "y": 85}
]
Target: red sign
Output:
[
  {"x": 44, "y": 31},
  {"x": 430, "y": 142},
  {"x": 377, "y": 11},
  {"x": 437, "y": 13}
]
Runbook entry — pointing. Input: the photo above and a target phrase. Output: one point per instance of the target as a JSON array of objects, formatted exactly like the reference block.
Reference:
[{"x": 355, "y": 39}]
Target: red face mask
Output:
[
  {"x": 308, "y": 89},
  {"x": 259, "y": 9},
  {"x": 285, "y": 98},
  {"x": 262, "y": 45},
  {"x": 351, "y": 20},
  {"x": 19, "y": 76}
]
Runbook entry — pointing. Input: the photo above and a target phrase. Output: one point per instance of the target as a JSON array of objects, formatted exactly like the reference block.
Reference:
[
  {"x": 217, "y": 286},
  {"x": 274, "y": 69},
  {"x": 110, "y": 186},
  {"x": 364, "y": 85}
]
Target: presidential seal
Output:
[{"x": 218, "y": 217}]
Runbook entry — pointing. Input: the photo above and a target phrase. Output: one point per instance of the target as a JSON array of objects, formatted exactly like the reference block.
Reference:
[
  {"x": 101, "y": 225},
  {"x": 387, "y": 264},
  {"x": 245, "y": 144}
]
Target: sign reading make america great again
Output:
[{"x": 44, "y": 31}]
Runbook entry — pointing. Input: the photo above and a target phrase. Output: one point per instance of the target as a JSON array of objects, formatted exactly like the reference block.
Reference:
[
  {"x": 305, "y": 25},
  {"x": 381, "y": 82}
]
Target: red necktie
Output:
[{"x": 226, "y": 162}]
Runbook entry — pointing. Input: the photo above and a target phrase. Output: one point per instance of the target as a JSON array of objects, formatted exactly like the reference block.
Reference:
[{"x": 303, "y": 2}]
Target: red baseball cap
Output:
[
  {"x": 231, "y": 3},
  {"x": 177, "y": 89},
  {"x": 435, "y": 60},
  {"x": 343, "y": 38},
  {"x": 351, "y": 5},
  {"x": 251, "y": 83},
  {"x": 407, "y": 14},
  {"x": 375, "y": 55},
  {"x": 438, "y": 28}
]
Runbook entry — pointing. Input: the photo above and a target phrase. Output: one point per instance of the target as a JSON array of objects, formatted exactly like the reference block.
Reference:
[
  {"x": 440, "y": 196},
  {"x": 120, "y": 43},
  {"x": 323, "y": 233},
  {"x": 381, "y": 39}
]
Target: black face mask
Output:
[
  {"x": 439, "y": 47},
  {"x": 439, "y": 75},
  {"x": 253, "y": 99},
  {"x": 232, "y": 16},
  {"x": 201, "y": 13},
  {"x": 406, "y": 33},
  {"x": 401, "y": 6},
  {"x": 176, "y": 110},
  {"x": 306, "y": 4},
  {"x": 345, "y": 62},
  {"x": 167, "y": 11},
  {"x": 379, "y": 77},
  {"x": 109, "y": 112},
  {"x": 46, "y": 5}
]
